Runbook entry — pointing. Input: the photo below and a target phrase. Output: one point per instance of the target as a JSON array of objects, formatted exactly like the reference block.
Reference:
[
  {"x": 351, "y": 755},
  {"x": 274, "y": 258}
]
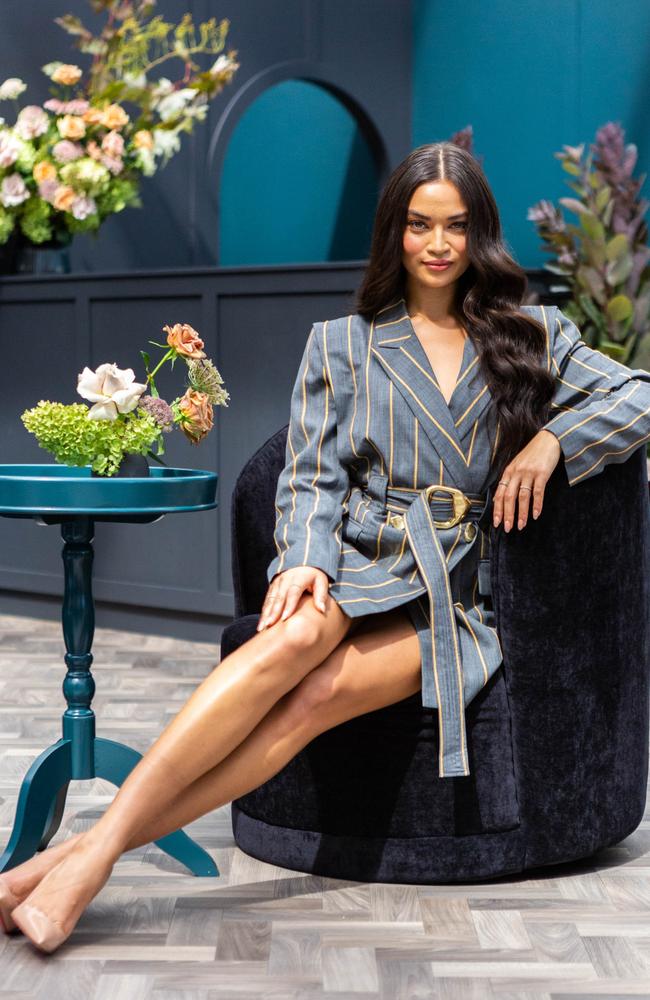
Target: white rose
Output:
[
  {"x": 112, "y": 390},
  {"x": 10, "y": 148},
  {"x": 169, "y": 106},
  {"x": 13, "y": 191},
  {"x": 11, "y": 89},
  {"x": 165, "y": 142}
]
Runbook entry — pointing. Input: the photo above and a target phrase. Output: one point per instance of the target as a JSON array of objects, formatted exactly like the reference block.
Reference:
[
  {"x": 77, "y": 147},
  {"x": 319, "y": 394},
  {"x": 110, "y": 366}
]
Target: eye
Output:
[
  {"x": 416, "y": 222},
  {"x": 463, "y": 224}
]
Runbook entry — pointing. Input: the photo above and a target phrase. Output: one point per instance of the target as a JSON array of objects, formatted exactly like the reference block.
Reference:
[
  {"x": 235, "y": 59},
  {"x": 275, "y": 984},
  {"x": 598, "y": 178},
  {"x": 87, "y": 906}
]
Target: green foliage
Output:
[
  {"x": 603, "y": 258},
  {"x": 73, "y": 439}
]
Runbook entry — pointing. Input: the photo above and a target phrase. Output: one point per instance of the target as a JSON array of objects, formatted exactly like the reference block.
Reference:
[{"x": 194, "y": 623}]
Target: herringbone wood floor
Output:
[{"x": 157, "y": 933}]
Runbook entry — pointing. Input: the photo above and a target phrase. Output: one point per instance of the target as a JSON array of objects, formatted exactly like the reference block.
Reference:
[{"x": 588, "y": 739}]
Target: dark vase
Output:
[
  {"x": 131, "y": 466},
  {"x": 20, "y": 256}
]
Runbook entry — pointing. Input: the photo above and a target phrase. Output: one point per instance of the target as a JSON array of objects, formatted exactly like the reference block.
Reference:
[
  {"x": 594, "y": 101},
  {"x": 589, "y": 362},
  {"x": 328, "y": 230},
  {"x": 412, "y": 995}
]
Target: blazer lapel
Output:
[{"x": 396, "y": 346}]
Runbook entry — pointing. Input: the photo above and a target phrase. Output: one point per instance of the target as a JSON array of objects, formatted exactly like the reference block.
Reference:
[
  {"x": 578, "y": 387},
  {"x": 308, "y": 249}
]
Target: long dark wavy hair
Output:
[{"x": 510, "y": 345}]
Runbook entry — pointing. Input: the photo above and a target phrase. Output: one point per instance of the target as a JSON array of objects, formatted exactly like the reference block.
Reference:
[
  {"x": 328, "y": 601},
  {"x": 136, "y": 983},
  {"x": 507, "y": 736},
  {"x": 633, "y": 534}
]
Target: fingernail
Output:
[
  {"x": 284, "y": 616},
  {"x": 496, "y": 522},
  {"x": 535, "y": 514},
  {"x": 507, "y": 525},
  {"x": 520, "y": 525}
]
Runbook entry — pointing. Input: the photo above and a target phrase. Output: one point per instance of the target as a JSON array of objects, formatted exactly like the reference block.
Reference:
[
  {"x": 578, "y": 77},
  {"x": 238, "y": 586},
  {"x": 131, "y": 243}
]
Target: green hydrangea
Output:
[
  {"x": 73, "y": 439},
  {"x": 86, "y": 175},
  {"x": 6, "y": 225},
  {"x": 121, "y": 193},
  {"x": 35, "y": 220}
]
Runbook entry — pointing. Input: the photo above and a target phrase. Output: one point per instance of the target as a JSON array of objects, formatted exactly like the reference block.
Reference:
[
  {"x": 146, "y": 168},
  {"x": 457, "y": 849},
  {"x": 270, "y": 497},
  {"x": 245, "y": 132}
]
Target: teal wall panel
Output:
[
  {"x": 529, "y": 78},
  {"x": 298, "y": 184}
]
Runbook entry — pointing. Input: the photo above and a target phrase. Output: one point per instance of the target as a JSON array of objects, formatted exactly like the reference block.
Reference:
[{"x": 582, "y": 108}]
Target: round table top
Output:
[{"x": 32, "y": 490}]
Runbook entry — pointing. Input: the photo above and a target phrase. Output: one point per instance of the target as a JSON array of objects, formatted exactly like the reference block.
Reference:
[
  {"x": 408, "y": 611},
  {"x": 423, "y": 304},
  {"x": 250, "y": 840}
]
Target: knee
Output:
[{"x": 299, "y": 633}]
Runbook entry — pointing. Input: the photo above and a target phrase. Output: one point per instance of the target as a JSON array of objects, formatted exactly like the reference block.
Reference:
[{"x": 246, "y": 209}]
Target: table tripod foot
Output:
[
  {"x": 40, "y": 805},
  {"x": 114, "y": 762}
]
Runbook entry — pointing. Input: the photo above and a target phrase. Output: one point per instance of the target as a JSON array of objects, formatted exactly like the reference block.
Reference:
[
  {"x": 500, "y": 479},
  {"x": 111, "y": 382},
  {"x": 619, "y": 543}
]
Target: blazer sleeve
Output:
[
  {"x": 603, "y": 406},
  {"x": 314, "y": 482}
]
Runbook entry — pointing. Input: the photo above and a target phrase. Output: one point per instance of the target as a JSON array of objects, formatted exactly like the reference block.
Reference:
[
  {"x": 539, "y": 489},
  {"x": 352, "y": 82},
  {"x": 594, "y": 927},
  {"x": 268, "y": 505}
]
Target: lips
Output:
[{"x": 437, "y": 265}]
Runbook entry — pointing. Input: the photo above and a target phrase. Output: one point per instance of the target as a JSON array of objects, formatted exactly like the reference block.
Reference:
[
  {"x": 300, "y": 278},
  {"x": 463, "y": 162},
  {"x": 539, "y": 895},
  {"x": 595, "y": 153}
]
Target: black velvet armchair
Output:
[{"x": 558, "y": 738}]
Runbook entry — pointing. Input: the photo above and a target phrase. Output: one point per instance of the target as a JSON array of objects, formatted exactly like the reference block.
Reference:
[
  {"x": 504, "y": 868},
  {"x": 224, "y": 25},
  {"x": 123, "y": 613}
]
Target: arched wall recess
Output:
[{"x": 305, "y": 200}]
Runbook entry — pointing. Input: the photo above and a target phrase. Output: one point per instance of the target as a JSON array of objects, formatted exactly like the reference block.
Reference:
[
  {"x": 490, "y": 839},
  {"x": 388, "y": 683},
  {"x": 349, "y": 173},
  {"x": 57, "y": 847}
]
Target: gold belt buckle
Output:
[{"x": 461, "y": 503}]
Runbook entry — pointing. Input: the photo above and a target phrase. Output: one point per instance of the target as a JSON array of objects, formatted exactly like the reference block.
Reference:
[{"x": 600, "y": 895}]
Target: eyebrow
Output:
[{"x": 421, "y": 215}]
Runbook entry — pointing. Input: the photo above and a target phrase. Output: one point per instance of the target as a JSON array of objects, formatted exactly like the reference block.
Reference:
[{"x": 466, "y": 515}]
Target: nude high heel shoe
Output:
[
  {"x": 8, "y": 902},
  {"x": 40, "y": 930}
]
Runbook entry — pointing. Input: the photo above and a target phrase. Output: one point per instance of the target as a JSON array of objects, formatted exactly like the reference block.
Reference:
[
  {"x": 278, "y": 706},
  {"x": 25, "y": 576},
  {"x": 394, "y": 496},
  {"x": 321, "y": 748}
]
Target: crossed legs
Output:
[{"x": 245, "y": 721}]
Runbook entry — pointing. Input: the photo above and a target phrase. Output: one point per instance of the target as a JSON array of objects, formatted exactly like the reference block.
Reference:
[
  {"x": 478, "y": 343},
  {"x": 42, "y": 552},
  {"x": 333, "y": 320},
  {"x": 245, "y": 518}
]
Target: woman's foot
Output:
[
  {"x": 17, "y": 883},
  {"x": 48, "y": 915}
]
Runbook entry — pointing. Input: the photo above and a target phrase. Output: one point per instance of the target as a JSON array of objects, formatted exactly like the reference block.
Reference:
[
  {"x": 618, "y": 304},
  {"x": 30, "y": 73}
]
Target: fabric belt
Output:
[{"x": 430, "y": 510}]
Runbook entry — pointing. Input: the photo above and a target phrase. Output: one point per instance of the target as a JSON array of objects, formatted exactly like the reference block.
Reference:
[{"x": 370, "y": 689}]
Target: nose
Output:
[{"x": 437, "y": 242}]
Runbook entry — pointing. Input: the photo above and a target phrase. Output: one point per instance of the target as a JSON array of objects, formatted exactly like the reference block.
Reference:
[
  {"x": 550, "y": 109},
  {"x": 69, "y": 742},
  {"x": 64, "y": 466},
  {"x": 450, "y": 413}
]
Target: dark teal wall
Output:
[
  {"x": 530, "y": 78},
  {"x": 298, "y": 183}
]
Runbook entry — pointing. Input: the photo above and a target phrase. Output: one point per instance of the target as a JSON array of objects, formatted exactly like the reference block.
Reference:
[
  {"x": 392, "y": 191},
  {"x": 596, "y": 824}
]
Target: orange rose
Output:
[
  {"x": 71, "y": 127},
  {"x": 143, "y": 139},
  {"x": 93, "y": 116},
  {"x": 66, "y": 73},
  {"x": 114, "y": 116},
  {"x": 197, "y": 415},
  {"x": 63, "y": 198},
  {"x": 44, "y": 171},
  {"x": 184, "y": 340}
]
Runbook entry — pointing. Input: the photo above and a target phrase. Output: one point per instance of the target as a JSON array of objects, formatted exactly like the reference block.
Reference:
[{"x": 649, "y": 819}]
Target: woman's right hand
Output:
[{"x": 286, "y": 589}]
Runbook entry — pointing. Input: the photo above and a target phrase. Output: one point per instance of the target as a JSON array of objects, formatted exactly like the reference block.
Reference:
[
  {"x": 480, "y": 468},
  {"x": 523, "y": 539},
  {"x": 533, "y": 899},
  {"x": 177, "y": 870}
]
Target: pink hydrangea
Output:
[
  {"x": 31, "y": 122},
  {"x": 65, "y": 151},
  {"x": 9, "y": 149},
  {"x": 83, "y": 206},
  {"x": 47, "y": 189},
  {"x": 13, "y": 191},
  {"x": 113, "y": 144}
]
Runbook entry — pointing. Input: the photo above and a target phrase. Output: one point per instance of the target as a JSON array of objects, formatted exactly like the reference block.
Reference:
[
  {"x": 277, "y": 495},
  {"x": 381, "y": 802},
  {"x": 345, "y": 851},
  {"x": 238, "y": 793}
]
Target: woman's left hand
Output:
[{"x": 524, "y": 477}]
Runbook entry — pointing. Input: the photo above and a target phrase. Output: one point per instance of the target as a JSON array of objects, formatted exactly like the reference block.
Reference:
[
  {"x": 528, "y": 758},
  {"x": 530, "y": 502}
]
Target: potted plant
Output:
[{"x": 127, "y": 418}]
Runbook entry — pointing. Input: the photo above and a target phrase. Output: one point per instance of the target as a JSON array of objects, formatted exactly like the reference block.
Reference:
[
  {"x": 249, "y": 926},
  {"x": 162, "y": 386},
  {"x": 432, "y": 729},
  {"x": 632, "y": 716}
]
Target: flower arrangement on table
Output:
[
  {"x": 129, "y": 417},
  {"x": 67, "y": 165}
]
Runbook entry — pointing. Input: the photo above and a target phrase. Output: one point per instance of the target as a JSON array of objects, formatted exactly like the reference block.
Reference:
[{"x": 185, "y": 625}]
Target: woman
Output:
[{"x": 387, "y": 402}]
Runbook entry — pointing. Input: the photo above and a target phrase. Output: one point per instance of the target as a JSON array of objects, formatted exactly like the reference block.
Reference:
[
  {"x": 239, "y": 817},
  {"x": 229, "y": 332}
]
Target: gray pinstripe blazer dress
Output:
[{"x": 369, "y": 429}]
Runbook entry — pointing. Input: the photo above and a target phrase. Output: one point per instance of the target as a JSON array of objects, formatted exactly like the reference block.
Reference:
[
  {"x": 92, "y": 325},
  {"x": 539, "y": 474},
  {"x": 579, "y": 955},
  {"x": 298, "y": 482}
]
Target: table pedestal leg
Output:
[{"x": 79, "y": 754}]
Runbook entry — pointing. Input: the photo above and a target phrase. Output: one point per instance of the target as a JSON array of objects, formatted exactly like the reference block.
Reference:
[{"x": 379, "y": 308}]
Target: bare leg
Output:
[{"x": 378, "y": 666}]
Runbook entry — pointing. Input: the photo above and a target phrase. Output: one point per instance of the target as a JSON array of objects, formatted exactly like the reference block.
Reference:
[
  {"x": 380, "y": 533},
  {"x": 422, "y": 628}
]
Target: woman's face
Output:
[{"x": 436, "y": 229}]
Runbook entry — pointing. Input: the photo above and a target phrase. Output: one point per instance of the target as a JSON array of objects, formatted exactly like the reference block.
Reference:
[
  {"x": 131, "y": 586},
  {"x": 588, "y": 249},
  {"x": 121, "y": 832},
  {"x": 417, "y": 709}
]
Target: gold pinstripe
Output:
[
  {"x": 415, "y": 451},
  {"x": 471, "y": 405},
  {"x": 317, "y": 476},
  {"x": 586, "y": 420},
  {"x": 459, "y": 668},
  {"x": 390, "y": 418},
  {"x": 431, "y": 618},
  {"x": 386, "y": 308},
  {"x": 421, "y": 404},
  {"x": 455, "y": 542},
  {"x": 354, "y": 382},
  {"x": 578, "y": 388},
  {"x": 617, "y": 451},
  {"x": 471, "y": 443},
  {"x": 368, "y": 438},
  {"x": 486, "y": 675}
]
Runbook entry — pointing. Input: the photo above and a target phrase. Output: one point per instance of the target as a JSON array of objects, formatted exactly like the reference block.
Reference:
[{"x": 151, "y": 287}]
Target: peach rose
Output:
[
  {"x": 44, "y": 171},
  {"x": 93, "y": 116},
  {"x": 66, "y": 73},
  {"x": 114, "y": 116},
  {"x": 196, "y": 415},
  {"x": 143, "y": 139},
  {"x": 71, "y": 127},
  {"x": 64, "y": 197},
  {"x": 184, "y": 340}
]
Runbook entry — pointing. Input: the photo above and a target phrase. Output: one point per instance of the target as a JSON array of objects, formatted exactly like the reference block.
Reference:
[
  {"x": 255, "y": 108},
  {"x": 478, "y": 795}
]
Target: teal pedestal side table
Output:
[{"x": 75, "y": 499}]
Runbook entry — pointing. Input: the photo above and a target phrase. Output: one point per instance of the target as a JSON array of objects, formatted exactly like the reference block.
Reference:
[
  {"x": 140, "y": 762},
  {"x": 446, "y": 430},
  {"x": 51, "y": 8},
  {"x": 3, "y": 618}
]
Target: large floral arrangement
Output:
[
  {"x": 68, "y": 164},
  {"x": 129, "y": 417}
]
